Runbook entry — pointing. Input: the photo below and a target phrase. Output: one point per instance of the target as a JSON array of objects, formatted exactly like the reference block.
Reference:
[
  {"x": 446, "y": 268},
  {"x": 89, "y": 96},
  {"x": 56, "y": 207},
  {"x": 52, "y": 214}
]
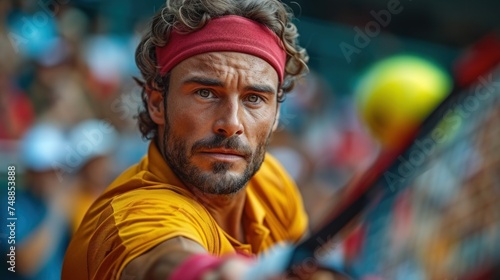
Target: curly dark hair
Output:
[{"x": 191, "y": 15}]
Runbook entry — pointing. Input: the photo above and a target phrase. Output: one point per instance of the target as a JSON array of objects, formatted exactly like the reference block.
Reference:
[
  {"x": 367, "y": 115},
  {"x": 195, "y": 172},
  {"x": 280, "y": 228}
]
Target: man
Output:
[{"x": 207, "y": 192}]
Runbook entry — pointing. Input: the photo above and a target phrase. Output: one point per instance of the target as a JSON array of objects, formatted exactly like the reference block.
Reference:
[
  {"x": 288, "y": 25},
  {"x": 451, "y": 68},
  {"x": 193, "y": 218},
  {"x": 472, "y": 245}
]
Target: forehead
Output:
[{"x": 232, "y": 65}]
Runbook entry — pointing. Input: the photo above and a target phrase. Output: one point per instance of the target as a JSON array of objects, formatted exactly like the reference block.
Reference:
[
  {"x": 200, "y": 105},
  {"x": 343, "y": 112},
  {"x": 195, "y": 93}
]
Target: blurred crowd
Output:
[
  {"x": 67, "y": 106},
  {"x": 67, "y": 123}
]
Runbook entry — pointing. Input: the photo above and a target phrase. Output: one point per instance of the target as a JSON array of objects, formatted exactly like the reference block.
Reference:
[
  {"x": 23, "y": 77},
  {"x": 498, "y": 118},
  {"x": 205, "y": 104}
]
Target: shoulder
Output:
[
  {"x": 161, "y": 200},
  {"x": 131, "y": 218},
  {"x": 137, "y": 204},
  {"x": 138, "y": 194}
]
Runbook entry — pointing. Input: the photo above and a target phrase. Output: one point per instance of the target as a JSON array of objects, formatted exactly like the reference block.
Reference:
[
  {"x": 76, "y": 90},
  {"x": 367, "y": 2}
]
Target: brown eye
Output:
[
  {"x": 205, "y": 93},
  {"x": 253, "y": 98}
]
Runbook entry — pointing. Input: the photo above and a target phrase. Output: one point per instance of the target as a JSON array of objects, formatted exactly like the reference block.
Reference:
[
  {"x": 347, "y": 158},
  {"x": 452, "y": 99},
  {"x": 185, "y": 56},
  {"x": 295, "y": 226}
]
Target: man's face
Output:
[{"x": 220, "y": 113}]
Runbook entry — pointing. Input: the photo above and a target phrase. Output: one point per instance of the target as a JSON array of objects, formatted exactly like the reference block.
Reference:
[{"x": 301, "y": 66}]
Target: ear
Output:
[
  {"x": 155, "y": 107},
  {"x": 277, "y": 119}
]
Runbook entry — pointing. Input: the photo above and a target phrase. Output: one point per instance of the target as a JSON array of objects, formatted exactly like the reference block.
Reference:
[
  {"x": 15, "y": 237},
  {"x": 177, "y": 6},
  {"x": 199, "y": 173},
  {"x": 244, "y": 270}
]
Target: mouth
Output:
[{"x": 223, "y": 154}]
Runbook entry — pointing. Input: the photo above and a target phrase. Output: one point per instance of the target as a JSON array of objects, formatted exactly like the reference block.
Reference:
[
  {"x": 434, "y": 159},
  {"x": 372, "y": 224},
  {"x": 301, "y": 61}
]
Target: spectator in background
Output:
[
  {"x": 59, "y": 85},
  {"x": 42, "y": 228},
  {"x": 95, "y": 143}
]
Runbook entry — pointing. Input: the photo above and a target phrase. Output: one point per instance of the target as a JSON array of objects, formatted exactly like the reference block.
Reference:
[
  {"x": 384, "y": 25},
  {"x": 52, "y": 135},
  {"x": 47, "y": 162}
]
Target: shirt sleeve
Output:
[{"x": 142, "y": 220}]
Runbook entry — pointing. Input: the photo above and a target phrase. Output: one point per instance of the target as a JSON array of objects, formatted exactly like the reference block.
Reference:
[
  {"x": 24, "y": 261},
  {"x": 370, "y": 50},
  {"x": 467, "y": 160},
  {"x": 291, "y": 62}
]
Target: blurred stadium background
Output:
[{"x": 69, "y": 62}]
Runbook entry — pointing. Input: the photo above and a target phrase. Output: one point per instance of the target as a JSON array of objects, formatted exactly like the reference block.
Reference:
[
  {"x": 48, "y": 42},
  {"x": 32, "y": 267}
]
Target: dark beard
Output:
[{"x": 217, "y": 181}]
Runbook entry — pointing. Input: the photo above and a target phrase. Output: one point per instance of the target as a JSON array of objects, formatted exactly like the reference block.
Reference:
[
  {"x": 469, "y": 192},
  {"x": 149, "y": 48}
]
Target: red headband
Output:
[{"x": 228, "y": 33}]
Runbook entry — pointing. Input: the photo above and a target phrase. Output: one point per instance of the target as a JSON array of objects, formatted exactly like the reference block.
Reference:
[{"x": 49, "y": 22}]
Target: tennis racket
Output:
[{"x": 430, "y": 210}]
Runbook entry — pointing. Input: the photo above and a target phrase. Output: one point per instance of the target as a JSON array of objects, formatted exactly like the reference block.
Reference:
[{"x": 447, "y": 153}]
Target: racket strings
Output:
[
  {"x": 471, "y": 223},
  {"x": 454, "y": 198}
]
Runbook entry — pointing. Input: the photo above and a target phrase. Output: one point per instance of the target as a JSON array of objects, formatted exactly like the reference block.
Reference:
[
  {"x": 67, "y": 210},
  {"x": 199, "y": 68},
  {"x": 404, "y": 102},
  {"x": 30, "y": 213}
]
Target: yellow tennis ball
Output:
[{"x": 396, "y": 94}]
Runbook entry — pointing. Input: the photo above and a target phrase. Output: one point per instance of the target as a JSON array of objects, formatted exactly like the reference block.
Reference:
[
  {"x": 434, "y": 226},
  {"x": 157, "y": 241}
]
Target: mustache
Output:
[{"x": 221, "y": 142}]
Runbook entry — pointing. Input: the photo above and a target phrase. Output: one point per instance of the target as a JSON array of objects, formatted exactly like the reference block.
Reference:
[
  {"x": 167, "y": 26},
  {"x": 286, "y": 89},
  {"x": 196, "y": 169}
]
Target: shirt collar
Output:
[{"x": 254, "y": 210}]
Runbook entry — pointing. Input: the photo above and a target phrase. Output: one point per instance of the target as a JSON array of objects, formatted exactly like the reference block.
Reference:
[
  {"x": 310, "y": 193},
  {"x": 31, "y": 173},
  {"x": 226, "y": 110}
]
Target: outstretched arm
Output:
[{"x": 164, "y": 259}]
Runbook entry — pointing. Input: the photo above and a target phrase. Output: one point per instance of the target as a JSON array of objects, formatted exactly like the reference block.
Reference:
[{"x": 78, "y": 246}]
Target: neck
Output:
[{"x": 227, "y": 211}]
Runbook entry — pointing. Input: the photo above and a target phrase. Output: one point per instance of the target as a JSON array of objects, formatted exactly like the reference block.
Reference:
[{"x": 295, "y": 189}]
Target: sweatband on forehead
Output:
[{"x": 228, "y": 33}]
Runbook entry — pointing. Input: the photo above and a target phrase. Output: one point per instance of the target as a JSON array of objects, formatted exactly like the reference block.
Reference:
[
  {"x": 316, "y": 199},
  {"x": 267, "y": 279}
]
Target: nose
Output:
[{"x": 229, "y": 118}]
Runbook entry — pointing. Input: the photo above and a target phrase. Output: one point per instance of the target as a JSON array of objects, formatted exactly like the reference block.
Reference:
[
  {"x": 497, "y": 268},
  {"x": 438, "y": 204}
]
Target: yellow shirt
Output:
[{"x": 145, "y": 206}]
